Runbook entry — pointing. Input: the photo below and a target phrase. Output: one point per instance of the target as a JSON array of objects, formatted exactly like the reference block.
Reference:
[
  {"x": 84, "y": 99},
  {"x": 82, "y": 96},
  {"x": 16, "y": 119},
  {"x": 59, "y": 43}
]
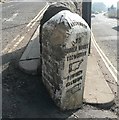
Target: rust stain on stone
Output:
[{"x": 59, "y": 35}]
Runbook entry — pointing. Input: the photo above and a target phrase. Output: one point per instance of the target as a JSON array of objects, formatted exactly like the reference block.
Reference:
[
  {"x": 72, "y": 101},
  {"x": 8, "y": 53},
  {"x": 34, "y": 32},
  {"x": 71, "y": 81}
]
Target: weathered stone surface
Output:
[
  {"x": 56, "y": 7},
  {"x": 73, "y": 6},
  {"x": 65, "y": 39}
]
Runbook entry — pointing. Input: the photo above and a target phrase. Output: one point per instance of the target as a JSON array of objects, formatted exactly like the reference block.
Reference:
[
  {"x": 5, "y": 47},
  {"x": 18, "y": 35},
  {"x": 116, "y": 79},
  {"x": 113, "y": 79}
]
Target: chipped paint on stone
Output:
[{"x": 65, "y": 39}]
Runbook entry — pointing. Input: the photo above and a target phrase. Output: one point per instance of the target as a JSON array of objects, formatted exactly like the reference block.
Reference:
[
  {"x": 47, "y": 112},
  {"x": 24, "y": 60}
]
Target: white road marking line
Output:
[
  {"x": 8, "y": 45},
  {"x": 105, "y": 59},
  {"x": 13, "y": 17},
  {"x": 33, "y": 20},
  {"x": 4, "y": 19},
  {"x": 7, "y": 6},
  {"x": 10, "y": 6},
  {"x": 28, "y": 29},
  {"x": 20, "y": 40},
  {"x": 17, "y": 43},
  {"x": 33, "y": 24},
  {"x": 38, "y": 17}
]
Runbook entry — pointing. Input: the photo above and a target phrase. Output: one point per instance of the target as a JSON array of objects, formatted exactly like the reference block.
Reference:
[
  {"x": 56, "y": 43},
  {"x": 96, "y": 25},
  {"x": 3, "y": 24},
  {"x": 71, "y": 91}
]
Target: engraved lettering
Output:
[
  {"x": 73, "y": 81},
  {"x": 75, "y": 56},
  {"x": 72, "y": 49},
  {"x": 75, "y": 65},
  {"x": 78, "y": 23},
  {"x": 83, "y": 47},
  {"x": 74, "y": 89},
  {"x": 75, "y": 48}
]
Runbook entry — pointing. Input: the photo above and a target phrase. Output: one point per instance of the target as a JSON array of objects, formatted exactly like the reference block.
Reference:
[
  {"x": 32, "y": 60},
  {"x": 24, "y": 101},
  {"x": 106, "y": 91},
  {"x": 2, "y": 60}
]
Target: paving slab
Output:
[
  {"x": 30, "y": 58},
  {"x": 96, "y": 89},
  {"x": 33, "y": 48}
]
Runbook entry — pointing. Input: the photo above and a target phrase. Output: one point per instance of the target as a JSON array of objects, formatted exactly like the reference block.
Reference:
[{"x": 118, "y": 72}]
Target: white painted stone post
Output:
[{"x": 65, "y": 40}]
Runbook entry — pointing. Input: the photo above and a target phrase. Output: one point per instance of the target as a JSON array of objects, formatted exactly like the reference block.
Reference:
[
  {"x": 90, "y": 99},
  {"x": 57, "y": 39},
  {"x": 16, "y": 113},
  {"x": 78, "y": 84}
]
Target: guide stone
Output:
[{"x": 65, "y": 39}]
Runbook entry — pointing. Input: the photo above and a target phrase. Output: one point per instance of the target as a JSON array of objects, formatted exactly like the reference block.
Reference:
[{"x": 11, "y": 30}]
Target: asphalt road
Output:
[
  {"x": 105, "y": 32},
  {"x": 15, "y": 17}
]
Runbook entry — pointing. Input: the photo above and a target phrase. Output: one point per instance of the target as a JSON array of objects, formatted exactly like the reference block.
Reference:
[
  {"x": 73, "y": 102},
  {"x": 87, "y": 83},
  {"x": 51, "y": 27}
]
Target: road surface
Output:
[
  {"x": 105, "y": 32},
  {"x": 15, "y": 17}
]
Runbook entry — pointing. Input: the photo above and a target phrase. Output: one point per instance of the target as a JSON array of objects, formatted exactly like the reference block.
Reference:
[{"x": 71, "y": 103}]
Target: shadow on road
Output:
[{"x": 25, "y": 96}]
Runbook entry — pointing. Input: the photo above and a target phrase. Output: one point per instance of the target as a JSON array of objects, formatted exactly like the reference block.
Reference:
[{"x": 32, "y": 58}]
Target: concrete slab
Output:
[
  {"x": 33, "y": 48},
  {"x": 29, "y": 66},
  {"x": 96, "y": 89},
  {"x": 30, "y": 58}
]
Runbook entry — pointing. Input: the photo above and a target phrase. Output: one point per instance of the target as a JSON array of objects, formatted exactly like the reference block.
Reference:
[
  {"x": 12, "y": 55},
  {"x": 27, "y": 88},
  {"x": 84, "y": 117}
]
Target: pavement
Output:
[
  {"x": 30, "y": 58},
  {"x": 96, "y": 90}
]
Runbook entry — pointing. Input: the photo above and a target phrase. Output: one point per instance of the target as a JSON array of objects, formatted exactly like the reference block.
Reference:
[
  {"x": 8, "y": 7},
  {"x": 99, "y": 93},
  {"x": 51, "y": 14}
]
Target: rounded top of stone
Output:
[
  {"x": 67, "y": 18},
  {"x": 63, "y": 27}
]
